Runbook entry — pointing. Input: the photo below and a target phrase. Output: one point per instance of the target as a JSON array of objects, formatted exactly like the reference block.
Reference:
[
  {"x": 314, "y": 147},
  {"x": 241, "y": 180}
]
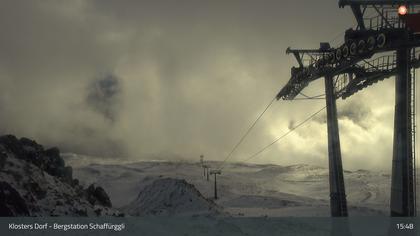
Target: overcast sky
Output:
[{"x": 176, "y": 79}]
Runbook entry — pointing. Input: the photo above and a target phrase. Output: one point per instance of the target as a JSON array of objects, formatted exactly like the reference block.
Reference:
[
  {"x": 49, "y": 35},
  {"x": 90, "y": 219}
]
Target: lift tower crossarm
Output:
[
  {"x": 362, "y": 77},
  {"x": 305, "y": 73},
  {"x": 317, "y": 63}
]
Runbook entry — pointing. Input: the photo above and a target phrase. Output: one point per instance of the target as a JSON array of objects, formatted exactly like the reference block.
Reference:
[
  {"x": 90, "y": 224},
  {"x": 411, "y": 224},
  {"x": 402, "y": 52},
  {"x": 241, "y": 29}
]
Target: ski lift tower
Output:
[
  {"x": 380, "y": 47},
  {"x": 206, "y": 171},
  {"x": 215, "y": 173},
  {"x": 202, "y": 164}
]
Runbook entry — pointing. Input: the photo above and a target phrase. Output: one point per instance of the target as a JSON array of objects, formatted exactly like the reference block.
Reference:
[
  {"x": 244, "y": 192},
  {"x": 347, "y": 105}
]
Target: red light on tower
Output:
[{"x": 402, "y": 10}]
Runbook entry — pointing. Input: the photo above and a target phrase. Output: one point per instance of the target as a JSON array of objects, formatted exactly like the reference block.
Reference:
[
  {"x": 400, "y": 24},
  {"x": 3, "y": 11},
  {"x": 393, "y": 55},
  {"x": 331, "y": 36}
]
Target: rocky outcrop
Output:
[
  {"x": 97, "y": 195},
  {"x": 11, "y": 203},
  {"x": 36, "y": 182},
  {"x": 3, "y": 157},
  {"x": 48, "y": 160}
]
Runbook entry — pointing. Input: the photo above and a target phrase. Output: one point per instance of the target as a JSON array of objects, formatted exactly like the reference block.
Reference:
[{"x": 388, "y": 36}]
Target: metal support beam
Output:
[
  {"x": 337, "y": 190},
  {"x": 403, "y": 182},
  {"x": 358, "y": 14}
]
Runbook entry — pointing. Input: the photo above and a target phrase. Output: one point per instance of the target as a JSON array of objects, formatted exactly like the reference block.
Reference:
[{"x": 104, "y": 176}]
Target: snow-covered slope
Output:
[
  {"x": 167, "y": 197},
  {"x": 248, "y": 189},
  {"x": 36, "y": 182}
]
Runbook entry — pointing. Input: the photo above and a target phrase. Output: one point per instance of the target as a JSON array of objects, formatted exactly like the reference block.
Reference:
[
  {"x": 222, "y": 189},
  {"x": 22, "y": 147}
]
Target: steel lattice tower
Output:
[{"x": 359, "y": 63}]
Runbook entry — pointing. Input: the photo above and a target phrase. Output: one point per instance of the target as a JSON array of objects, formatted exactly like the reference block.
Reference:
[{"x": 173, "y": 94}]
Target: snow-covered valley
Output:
[{"x": 254, "y": 199}]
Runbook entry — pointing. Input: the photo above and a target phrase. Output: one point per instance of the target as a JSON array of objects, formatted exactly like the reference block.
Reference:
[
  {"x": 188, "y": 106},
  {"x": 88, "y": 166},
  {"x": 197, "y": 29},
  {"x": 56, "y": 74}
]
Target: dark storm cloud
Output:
[
  {"x": 192, "y": 75},
  {"x": 104, "y": 96}
]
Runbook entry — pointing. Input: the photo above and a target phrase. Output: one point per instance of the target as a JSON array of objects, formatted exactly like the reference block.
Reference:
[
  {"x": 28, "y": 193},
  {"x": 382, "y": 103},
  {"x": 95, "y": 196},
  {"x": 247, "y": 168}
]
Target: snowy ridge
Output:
[{"x": 167, "y": 196}]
